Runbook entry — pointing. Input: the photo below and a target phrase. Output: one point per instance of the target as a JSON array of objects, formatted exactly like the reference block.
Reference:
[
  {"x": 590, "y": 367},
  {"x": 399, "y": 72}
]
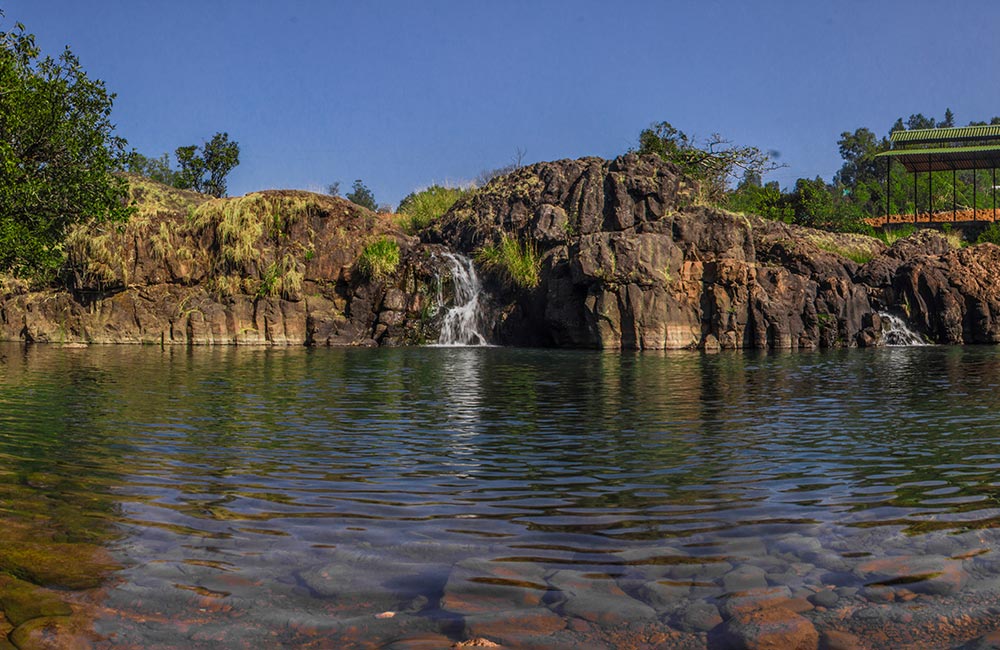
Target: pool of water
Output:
[{"x": 234, "y": 498}]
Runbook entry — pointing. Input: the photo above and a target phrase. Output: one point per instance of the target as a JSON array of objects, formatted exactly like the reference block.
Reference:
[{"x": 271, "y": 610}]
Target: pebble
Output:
[
  {"x": 826, "y": 598},
  {"x": 744, "y": 578},
  {"x": 772, "y": 628},
  {"x": 697, "y": 617}
]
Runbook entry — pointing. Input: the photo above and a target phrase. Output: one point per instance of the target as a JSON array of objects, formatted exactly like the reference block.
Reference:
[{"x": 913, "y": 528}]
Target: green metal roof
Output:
[
  {"x": 947, "y": 158},
  {"x": 948, "y": 134}
]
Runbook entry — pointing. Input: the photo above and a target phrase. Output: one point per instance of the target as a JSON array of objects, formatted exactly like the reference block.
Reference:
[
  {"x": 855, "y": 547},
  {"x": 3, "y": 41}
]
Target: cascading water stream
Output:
[
  {"x": 464, "y": 320},
  {"x": 895, "y": 332}
]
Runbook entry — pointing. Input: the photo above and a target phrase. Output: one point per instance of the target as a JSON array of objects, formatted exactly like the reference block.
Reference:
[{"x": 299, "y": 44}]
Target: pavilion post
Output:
[
  {"x": 973, "y": 192},
  {"x": 994, "y": 193},
  {"x": 930, "y": 195},
  {"x": 888, "y": 180},
  {"x": 914, "y": 196},
  {"x": 954, "y": 196}
]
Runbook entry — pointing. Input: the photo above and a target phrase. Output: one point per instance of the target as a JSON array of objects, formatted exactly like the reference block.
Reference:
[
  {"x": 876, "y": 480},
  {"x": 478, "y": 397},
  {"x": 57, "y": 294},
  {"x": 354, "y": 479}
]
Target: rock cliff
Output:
[
  {"x": 622, "y": 257},
  {"x": 627, "y": 260},
  {"x": 271, "y": 268}
]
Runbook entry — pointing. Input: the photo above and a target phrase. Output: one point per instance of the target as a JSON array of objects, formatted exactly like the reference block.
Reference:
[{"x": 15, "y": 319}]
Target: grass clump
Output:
[
  {"x": 420, "y": 209},
  {"x": 241, "y": 222},
  {"x": 518, "y": 264},
  {"x": 892, "y": 236},
  {"x": 379, "y": 259}
]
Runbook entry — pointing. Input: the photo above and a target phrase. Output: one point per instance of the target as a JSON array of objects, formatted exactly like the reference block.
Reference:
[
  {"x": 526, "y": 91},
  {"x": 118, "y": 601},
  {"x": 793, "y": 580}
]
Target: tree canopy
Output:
[
  {"x": 715, "y": 163},
  {"x": 58, "y": 153},
  {"x": 206, "y": 171},
  {"x": 361, "y": 195}
]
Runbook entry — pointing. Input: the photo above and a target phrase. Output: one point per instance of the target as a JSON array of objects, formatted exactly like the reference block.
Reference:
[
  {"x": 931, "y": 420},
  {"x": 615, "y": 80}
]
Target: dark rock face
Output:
[
  {"x": 179, "y": 276},
  {"x": 628, "y": 262}
]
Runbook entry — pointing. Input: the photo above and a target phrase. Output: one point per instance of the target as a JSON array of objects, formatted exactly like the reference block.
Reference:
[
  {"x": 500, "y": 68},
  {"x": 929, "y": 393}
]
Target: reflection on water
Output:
[{"x": 353, "y": 498}]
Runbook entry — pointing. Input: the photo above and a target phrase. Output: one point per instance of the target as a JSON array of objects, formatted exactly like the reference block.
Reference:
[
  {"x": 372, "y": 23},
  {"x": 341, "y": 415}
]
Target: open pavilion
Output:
[{"x": 942, "y": 149}]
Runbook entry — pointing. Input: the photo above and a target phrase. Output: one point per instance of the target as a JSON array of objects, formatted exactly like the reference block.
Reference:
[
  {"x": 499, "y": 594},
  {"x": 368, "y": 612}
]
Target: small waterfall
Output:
[
  {"x": 464, "y": 320},
  {"x": 895, "y": 332}
]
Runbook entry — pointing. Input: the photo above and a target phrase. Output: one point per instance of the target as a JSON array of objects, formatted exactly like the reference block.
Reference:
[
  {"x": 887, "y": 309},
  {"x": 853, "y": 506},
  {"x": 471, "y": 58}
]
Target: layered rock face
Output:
[
  {"x": 271, "y": 268},
  {"x": 627, "y": 261}
]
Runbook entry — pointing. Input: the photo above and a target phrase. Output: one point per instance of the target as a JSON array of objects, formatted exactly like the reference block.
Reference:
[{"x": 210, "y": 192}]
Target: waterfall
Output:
[
  {"x": 464, "y": 320},
  {"x": 895, "y": 332}
]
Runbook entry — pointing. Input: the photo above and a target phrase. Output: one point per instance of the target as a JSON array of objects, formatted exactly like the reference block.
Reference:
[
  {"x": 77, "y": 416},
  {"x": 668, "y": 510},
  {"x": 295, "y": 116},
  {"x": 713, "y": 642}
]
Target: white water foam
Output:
[
  {"x": 464, "y": 320},
  {"x": 895, "y": 332}
]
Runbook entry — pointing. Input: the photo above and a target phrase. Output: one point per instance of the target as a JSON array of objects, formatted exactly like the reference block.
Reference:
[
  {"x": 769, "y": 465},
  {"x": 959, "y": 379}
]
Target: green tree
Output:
[
  {"x": 58, "y": 153},
  {"x": 812, "y": 203},
  {"x": 715, "y": 163},
  {"x": 362, "y": 196},
  {"x": 767, "y": 201},
  {"x": 206, "y": 171},
  {"x": 157, "y": 169}
]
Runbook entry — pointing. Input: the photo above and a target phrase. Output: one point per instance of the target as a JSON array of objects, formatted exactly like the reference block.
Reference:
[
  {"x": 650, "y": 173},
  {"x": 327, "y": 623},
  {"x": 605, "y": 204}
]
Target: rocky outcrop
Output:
[
  {"x": 612, "y": 254},
  {"x": 627, "y": 261},
  {"x": 270, "y": 268}
]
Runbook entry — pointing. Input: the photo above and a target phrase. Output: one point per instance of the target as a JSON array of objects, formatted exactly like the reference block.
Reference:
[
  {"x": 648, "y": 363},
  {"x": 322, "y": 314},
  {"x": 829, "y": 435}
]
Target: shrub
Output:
[
  {"x": 379, "y": 259},
  {"x": 991, "y": 235},
  {"x": 420, "y": 209},
  {"x": 518, "y": 265}
]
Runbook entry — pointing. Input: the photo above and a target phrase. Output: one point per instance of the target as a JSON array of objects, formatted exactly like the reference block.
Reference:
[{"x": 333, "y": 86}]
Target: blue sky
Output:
[{"x": 403, "y": 94}]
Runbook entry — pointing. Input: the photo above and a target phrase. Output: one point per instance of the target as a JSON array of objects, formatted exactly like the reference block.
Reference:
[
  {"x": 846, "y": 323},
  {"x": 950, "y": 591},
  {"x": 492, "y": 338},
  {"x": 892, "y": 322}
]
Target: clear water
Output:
[{"x": 359, "y": 498}]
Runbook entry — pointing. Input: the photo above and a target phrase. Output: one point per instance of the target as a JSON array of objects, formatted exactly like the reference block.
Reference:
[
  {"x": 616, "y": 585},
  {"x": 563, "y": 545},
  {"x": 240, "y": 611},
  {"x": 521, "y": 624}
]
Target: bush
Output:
[
  {"x": 991, "y": 235},
  {"x": 379, "y": 259},
  {"x": 518, "y": 265},
  {"x": 421, "y": 209}
]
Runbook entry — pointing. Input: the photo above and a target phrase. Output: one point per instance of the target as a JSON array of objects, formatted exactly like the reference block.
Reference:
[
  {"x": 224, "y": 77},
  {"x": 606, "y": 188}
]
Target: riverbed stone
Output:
[
  {"x": 71, "y": 566},
  {"x": 930, "y": 574},
  {"x": 745, "y": 601},
  {"x": 664, "y": 595},
  {"x": 772, "y": 628},
  {"x": 838, "y": 640},
  {"x": 22, "y": 601},
  {"x": 596, "y": 599},
  {"x": 696, "y": 617},
  {"x": 477, "y": 586},
  {"x": 516, "y": 628},
  {"x": 54, "y": 633},
  {"x": 825, "y": 598},
  {"x": 744, "y": 578}
]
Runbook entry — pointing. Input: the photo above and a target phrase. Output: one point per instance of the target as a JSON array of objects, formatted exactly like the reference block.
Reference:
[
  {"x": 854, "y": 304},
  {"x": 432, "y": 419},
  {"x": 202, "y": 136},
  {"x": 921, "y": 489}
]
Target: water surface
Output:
[{"x": 358, "y": 498}]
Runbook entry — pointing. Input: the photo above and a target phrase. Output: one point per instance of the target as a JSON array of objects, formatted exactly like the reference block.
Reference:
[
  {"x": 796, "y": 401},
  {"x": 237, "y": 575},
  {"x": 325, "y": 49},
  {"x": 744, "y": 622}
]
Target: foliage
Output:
[
  {"x": 990, "y": 235},
  {"x": 422, "y": 208},
  {"x": 58, "y": 153},
  {"x": 156, "y": 169},
  {"x": 333, "y": 189},
  {"x": 379, "y": 259},
  {"x": 714, "y": 164},
  {"x": 361, "y": 195},
  {"x": 767, "y": 200},
  {"x": 517, "y": 264},
  {"x": 206, "y": 172}
]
